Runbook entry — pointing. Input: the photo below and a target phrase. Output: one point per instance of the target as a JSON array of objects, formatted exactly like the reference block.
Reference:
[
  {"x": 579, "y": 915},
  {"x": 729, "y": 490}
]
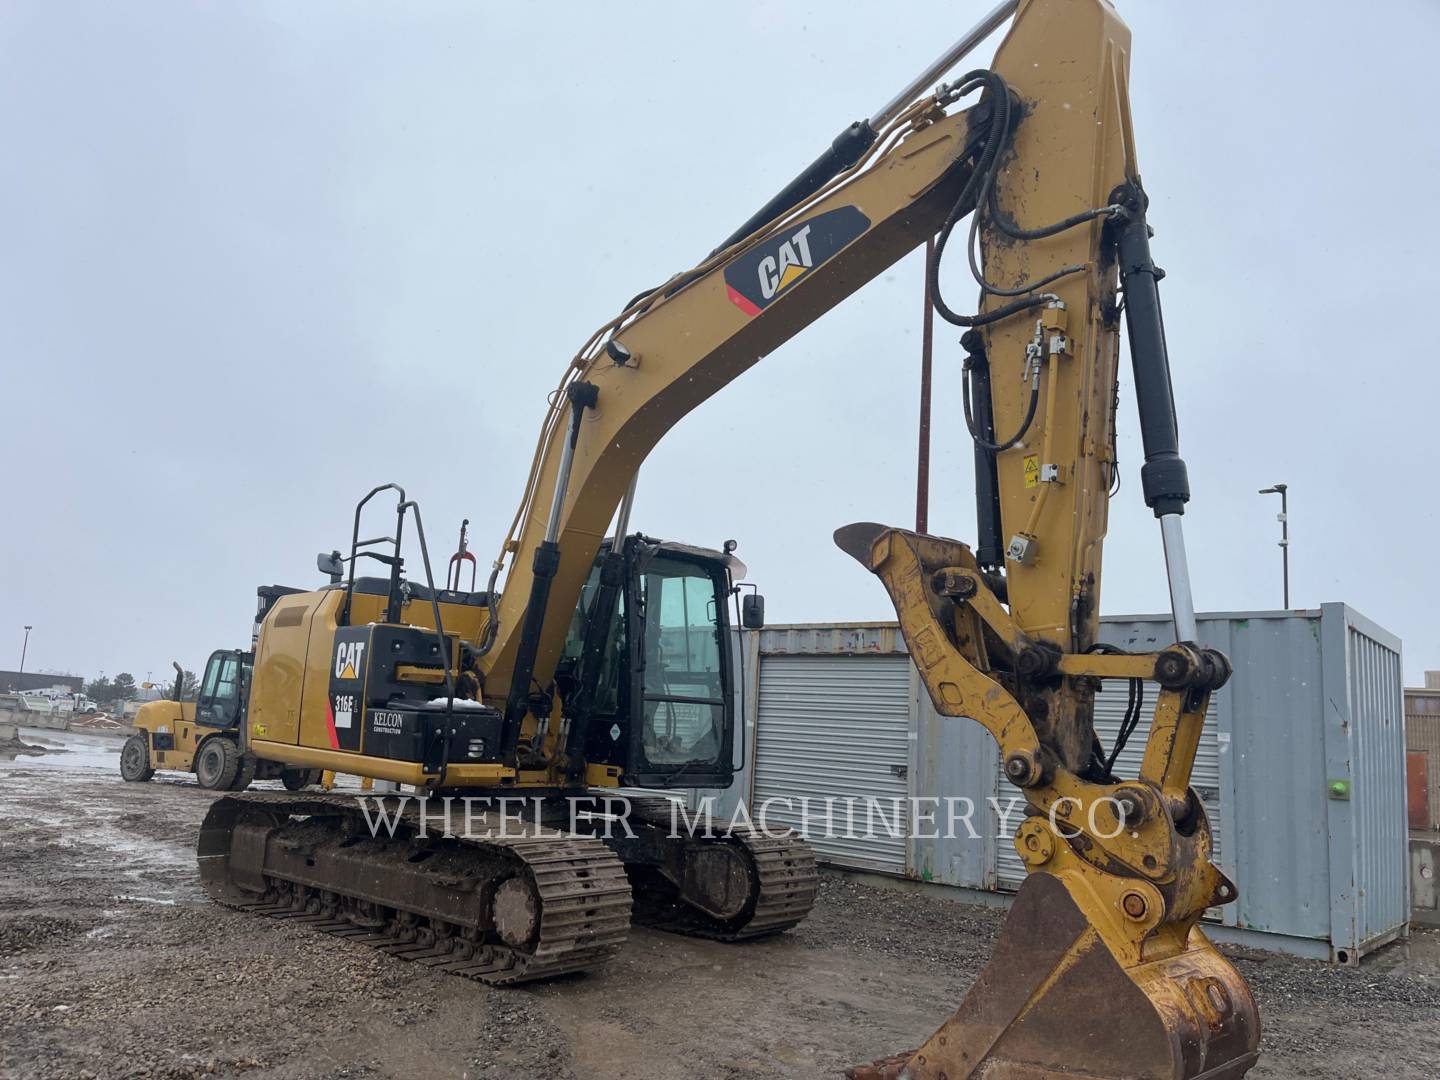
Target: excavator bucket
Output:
[{"x": 1054, "y": 1002}]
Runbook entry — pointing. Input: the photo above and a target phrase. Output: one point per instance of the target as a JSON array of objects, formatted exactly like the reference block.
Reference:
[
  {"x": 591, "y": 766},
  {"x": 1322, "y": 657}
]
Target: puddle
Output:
[
  {"x": 75, "y": 751},
  {"x": 145, "y": 900},
  {"x": 71, "y": 751}
]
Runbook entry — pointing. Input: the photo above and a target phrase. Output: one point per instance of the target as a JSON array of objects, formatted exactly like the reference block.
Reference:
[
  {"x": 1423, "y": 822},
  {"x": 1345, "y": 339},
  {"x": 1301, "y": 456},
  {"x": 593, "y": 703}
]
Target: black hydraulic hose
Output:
[
  {"x": 980, "y": 440},
  {"x": 996, "y": 218},
  {"x": 544, "y": 564},
  {"x": 984, "y": 200},
  {"x": 1133, "y": 711},
  {"x": 1134, "y": 706},
  {"x": 1019, "y": 290},
  {"x": 492, "y": 625},
  {"x": 970, "y": 195},
  {"x": 985, "y": 318},
  {"x": 638, "y": 297},
  {"x": 979, "y": 195},
  {"x": 1121, "y": 736}
]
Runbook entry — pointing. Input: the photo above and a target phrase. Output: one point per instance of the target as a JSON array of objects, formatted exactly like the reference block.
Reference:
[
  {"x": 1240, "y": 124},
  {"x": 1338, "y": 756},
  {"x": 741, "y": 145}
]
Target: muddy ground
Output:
[{"x": 113, "y": 964}]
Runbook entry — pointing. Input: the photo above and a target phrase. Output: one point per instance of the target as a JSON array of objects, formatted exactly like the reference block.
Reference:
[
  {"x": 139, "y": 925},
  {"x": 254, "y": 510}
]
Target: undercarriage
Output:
[{"x": 490, "y": 897}]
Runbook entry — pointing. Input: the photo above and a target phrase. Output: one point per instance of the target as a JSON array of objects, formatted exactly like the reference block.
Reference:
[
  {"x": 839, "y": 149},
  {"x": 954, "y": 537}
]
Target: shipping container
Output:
[{"x": 1301, "y": 767}]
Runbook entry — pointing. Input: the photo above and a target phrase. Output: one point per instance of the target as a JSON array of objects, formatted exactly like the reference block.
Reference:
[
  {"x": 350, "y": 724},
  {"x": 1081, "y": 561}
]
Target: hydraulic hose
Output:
[{"x": 980, "y": 440}]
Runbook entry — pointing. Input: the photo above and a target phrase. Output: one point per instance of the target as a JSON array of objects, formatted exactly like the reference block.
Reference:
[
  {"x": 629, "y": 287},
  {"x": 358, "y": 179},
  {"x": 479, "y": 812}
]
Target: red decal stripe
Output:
[
  {"x": 739, "y": 301},
  {"x": 330, "y": 724}
]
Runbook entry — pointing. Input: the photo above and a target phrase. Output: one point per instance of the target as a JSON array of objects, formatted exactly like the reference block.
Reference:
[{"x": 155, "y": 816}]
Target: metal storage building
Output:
[
  {"x": 1301, "y": 767},
  {"x": 1422, "y": 746},
  {"x": 1422, "y": 739}
]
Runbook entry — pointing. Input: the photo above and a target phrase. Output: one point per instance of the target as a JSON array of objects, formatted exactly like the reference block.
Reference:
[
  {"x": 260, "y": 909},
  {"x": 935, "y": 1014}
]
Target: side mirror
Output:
[
  {"x": 752, "y": 612},
  {"x": 331, "y": 564}
]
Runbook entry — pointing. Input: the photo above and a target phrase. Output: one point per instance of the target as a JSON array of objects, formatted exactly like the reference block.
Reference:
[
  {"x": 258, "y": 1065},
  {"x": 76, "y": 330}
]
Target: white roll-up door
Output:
[
  {"x": 834, "y": 730},
  {"x": 1109, "y": 713}
]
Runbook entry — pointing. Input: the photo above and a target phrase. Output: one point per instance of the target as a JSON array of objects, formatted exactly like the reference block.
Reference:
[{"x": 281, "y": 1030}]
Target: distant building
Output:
[
  {"x": 1422, "y": 745},
  {"x": 1422, "y": 761},
  {"x": 13, "y": 682}
]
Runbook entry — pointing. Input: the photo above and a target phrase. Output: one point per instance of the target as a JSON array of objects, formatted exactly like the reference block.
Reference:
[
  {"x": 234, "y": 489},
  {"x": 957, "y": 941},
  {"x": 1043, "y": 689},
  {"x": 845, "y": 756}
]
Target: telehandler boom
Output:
[{"x": 604, "y": 662}]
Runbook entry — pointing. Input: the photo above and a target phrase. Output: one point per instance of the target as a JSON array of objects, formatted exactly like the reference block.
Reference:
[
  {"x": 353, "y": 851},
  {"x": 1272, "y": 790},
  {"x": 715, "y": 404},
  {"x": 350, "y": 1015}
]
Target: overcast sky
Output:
[{"x": 257, "y": 258}]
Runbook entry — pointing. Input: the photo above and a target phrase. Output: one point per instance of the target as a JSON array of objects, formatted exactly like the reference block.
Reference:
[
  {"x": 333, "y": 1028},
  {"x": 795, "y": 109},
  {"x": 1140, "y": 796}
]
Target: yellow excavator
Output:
[{"x": 605, "y": 662}]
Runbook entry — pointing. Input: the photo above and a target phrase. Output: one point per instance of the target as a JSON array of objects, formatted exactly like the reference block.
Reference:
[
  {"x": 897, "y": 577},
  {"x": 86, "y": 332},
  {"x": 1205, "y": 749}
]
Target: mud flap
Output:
[{"x": 1053, "y": 1003}]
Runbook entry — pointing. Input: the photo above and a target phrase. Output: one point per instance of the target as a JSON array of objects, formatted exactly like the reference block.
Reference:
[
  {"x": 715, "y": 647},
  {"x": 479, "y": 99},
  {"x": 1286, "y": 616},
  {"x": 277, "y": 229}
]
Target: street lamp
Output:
[
  {"x": 1284, "y": 519},
  {"x": 24, "y": 649}
]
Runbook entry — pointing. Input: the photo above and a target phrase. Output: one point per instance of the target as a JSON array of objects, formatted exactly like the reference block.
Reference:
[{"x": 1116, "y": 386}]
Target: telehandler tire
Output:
[
  {"x": 299, "y": 779},
  {"x": 135, "y": 759},
  {"x": 217, "y": 765},
  {"x": 245, "y": 775}
]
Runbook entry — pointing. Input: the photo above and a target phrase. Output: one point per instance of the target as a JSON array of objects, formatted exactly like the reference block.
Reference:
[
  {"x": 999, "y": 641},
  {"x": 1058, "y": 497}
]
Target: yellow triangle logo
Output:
[
  {"x": 349, "y": 672},
  {"x": 791, "y": 273}
]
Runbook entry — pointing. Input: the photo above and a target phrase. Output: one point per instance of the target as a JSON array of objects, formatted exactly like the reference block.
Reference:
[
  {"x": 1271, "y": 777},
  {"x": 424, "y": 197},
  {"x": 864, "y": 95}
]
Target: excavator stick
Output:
[{"x": 1101, "y": 969}]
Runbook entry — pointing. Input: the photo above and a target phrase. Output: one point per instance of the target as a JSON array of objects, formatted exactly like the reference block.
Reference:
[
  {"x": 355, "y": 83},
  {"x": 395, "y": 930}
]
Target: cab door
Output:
[
  {"x": 681, "y": 703},
  {"x": 221, "y": 703}
]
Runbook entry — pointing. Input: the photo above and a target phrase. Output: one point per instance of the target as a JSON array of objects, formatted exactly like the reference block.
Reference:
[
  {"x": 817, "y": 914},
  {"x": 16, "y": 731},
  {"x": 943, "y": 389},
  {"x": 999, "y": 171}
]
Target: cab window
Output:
[
  {"x": 227, "y": 686},
  {"x": 683, "y": 690}
]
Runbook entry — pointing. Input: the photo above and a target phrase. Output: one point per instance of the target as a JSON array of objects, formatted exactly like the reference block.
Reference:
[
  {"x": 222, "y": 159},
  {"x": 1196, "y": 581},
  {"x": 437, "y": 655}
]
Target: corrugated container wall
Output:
[
  {"x": 1422, "y": 736},
  {"x": 1301, "y": 767}
]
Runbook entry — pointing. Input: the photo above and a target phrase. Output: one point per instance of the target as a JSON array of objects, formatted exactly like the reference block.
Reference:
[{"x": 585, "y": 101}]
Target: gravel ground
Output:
[{"x": 113, "y": 964}]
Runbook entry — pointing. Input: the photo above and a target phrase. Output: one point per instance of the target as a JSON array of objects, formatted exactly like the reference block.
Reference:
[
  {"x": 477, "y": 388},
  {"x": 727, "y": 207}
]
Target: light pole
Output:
[
  {"x": 1284, "y": 519},
  {"x": 24, "y": 649}
]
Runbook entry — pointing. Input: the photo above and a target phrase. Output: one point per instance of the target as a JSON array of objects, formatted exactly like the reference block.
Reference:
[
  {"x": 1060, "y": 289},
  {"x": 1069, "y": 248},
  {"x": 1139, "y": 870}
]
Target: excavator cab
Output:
[{"x": 646, "y": 668}]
